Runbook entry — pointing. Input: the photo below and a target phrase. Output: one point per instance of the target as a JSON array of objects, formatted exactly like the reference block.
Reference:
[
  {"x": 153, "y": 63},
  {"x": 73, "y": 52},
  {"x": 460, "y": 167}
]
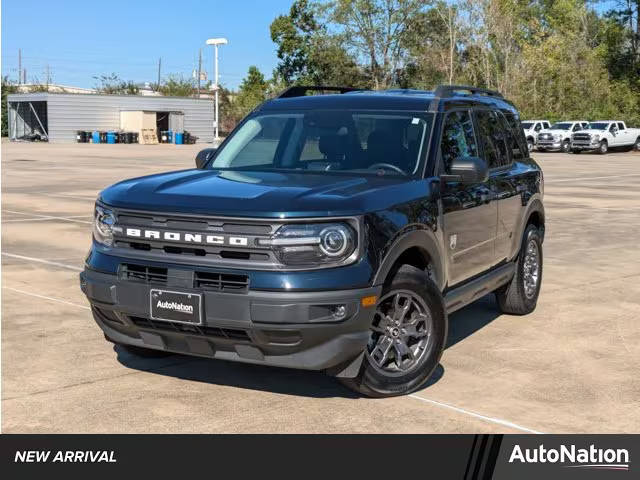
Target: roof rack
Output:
[
  {"x": 300, "y": 90},
  {"x": 446, "y": 91}
]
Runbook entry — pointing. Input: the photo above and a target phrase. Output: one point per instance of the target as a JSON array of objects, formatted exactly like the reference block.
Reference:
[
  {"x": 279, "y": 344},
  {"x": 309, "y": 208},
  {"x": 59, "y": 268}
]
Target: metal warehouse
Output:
[{"x": 60, "y": 115}]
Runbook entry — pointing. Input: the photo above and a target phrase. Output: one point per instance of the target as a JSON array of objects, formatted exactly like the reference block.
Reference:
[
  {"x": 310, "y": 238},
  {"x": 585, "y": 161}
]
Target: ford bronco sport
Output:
[{"x": 329, "y": 232}]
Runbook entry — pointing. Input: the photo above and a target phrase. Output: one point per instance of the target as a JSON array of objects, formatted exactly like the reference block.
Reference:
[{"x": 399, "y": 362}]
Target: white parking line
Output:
[
  {"x": 40, "y": 260},
  {"x": 575, "y": 179},
  {"x": 71, "y": 218},
  {"x": 47, "y": 298},
  {"x": 476, "y": 415}
]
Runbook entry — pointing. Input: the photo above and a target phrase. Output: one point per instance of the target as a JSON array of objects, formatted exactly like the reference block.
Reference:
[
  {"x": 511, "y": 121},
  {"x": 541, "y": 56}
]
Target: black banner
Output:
[{"x": 468, "y": 457}]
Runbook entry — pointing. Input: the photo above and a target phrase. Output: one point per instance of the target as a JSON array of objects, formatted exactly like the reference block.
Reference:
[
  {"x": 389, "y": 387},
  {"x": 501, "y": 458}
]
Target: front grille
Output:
[
  {"x": 582, "y": 137},
  {"x": 201, "y": 280},
  {"x": 545, "y": 136},
  {"x": 141, "y": 273},
  {"x": 200, "y": 330},
  {"x": 250, "y": 231},
  {"x": 221, "y": 282}
]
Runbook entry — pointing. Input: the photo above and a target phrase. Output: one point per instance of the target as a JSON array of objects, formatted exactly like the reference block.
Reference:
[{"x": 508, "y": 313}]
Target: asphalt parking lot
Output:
[{"x": 571, "y": 366}]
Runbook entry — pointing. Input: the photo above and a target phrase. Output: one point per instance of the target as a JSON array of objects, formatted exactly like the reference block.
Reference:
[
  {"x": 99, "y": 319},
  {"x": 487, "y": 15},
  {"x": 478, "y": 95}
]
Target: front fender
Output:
[{"x": 423, "y": 239}]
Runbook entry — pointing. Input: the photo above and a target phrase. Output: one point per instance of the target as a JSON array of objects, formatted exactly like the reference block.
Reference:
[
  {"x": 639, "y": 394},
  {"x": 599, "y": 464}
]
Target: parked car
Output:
[
  {"x": 558, "y": 136},
  {"x": 531, "y": 129},
  {"x": 605, "y": 134},
  {"x": 327, "y": 232}
]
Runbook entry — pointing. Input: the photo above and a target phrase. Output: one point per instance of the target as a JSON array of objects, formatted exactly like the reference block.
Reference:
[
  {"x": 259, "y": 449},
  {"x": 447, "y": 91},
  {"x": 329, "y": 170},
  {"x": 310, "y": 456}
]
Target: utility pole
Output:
[
  {"x": 216, "y": 42},
  {"x": 199, "y": 69},
  {"x": 24, "y": 75},
  {"x": 48, "y": 78},
  {"x": 159, "y": 66},
  {"x": 19, "y": 65}
]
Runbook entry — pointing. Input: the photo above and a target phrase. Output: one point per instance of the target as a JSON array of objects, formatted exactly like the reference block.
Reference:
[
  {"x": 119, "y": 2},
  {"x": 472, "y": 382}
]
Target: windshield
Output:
[
  {"x": 336, "y": 140},
  {"x": 561, "y": 126},
  {"x": 598, "y": 126},
  {"x": 527, "y": 125}
]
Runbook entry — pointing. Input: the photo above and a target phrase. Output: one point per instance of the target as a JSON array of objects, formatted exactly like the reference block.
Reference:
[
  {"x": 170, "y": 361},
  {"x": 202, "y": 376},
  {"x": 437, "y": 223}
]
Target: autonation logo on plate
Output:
[{"x": 567, "y": 457}]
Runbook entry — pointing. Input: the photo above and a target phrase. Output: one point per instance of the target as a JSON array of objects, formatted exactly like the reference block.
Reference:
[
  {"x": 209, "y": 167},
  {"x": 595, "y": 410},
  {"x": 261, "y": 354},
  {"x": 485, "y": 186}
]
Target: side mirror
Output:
[
  {"x": 203, "y": 156},
  {"x": 467, "y": 170}
]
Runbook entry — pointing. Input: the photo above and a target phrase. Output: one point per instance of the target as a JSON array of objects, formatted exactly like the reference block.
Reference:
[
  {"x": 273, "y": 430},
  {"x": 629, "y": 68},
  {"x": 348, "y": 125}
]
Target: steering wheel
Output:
[{"x": 387, "y": 165}]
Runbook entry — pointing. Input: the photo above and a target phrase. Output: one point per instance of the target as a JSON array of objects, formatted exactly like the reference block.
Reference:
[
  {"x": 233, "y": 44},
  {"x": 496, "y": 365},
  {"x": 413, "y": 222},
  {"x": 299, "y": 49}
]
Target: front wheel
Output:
[
  {"x": 637, "y": 145},
  {"x": 603, "y": 148},
  {"x": 530, "y": 144},
  {"x": 408, "y": 335},
  {"x": 566, "y": 146},
  {"x": 520, "y": 295},
  {"x": 575, "y": 151}
]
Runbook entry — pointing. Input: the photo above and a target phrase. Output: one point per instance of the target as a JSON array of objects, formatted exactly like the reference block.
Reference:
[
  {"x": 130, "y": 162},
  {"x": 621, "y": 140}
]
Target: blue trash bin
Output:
[
  {"x": 96, "y": 137},
  {"x": 179, "y": 138},
  {"x": 111, "y": 137}
]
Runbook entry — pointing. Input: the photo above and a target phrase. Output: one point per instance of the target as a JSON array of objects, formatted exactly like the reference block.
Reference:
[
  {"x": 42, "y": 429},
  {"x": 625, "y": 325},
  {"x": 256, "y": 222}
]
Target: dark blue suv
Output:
[{"x": 329, "y": 232}]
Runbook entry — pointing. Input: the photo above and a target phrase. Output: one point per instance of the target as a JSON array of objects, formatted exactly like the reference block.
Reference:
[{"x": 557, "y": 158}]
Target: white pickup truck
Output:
[
  {"x": 558, "y": 137},
  {"x": 605, "y": 134},
  {"x": 531, "y": 129}
]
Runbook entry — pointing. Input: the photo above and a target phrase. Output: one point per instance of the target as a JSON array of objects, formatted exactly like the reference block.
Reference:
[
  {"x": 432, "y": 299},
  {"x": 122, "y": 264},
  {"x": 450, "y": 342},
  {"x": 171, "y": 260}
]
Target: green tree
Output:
[
  {"x": 112, "y": 84},
  {"x": 178, "y": 86},
  {"x": 7, "y": 87},
  {"x": 308, "y": 54}
]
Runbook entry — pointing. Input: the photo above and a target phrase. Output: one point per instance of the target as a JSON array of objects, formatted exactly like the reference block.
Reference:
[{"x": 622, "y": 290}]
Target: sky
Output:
[{"x": 81, "y": 39}]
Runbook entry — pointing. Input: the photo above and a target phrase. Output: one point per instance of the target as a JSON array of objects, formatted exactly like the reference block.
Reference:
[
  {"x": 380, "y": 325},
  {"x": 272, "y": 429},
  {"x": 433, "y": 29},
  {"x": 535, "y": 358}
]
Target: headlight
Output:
[
  {"x": 595, "y": 137},
  {"x": 103, "y": 221},
  {"x": 557, "y": 137},
  {"x": 313, "y": 244}
]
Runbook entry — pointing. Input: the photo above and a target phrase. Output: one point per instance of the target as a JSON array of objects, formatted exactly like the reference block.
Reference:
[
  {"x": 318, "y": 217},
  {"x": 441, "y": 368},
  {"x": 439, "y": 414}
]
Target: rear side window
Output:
[
  {"x": 458, "y": 139},
  {"x": 491, "y": 136},
  {"x": 621, "y": 125},
  {"x": 518, "y": 141}
]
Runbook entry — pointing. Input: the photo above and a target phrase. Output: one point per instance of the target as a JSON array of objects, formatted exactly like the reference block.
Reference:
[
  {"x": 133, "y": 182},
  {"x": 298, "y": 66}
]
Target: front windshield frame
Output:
[
  {"x": 598, "y": 126},
  {"x": 561, "y": 126},
  {"x": 428, "y": 119}
]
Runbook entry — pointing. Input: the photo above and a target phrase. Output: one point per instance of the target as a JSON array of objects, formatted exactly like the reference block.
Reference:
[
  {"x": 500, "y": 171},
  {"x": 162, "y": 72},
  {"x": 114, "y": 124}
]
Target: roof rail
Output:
[
  {"x": 446, "y": 91},
  {"x": 300, "y": 90}
]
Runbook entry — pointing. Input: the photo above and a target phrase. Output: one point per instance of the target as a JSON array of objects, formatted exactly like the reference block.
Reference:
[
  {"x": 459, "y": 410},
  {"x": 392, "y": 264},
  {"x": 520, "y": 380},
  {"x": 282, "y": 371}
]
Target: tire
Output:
[
  {"x": 530, "y": 144},
  {"x": 380, "y": 378},
  {"x": 637, "y": 145},
  {"x": 603, "y": 148},
  {"x": 540, "y": 149},
  {"x": 575, "y": 151},
  {"x": 566, "y": 146},
  {"x": 514, "y": 298}
]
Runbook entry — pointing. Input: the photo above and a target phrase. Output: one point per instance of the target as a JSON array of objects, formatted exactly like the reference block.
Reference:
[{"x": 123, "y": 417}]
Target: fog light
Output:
[{"x": 339, "y": 311}]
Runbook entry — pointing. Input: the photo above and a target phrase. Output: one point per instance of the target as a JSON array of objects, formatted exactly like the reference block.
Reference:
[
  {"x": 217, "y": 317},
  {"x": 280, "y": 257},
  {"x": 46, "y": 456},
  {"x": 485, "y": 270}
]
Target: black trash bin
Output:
[
  {"x": 134, "y": 137},
  {"x": 81, "y": 136},
  {"x": 103, "y": 137}
]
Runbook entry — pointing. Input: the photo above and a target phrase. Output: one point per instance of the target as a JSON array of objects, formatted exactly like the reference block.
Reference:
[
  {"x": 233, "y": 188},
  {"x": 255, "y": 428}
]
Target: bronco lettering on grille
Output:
[{"x": 198, "y": 238}]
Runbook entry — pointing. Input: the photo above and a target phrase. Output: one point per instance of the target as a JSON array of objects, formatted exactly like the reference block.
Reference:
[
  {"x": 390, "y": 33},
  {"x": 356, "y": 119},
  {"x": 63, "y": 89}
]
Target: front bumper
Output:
[
  {"x": 549, "y": 145},
  {"x": 279, "y": 328},
  {"x": 584, "y": 146}
]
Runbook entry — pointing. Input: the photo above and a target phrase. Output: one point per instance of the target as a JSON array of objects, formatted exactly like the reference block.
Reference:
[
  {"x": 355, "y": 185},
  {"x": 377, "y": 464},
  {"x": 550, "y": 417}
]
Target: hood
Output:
[{"x": 262, "y": 194}]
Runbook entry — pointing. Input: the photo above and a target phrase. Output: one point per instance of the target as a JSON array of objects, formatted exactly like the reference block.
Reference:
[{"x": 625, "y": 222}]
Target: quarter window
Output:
[{"x": 458, "y": 139}]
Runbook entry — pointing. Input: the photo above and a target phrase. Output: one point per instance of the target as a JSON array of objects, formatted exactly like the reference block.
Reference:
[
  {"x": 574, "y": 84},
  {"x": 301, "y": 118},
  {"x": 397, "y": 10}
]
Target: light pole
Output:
[{"x": 215, "y": 42}]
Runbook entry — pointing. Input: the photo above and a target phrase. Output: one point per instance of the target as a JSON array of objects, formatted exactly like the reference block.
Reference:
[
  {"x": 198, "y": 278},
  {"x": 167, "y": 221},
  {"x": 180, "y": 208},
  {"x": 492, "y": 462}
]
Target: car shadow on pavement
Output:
[
  {"x": 285, "y": 381},
  {"x": 468, "y": 320}
]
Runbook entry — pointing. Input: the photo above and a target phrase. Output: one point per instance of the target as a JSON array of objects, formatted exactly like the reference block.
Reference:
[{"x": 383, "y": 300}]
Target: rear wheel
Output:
[
  {"x": 520, "y": 295},
  {"x": 408, "y": 335},
  {"x": 603, "y": 148}
]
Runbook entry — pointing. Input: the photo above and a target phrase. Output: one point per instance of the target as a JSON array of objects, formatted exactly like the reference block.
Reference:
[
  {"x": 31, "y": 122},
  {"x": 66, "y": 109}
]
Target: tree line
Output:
[{"x": 555, "y": 59}]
